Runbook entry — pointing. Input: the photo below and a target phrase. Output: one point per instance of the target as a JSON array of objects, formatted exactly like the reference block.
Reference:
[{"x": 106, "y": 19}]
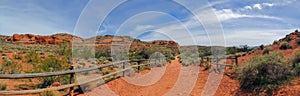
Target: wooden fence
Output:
[
  {"x": 70, "y": 72},
  {"x": 216, "y": 61}
]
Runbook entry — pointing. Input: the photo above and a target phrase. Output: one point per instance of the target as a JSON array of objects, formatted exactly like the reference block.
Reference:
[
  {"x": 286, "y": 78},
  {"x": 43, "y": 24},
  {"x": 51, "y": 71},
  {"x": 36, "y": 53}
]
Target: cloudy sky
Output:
[{"x": 251, "y": 22}]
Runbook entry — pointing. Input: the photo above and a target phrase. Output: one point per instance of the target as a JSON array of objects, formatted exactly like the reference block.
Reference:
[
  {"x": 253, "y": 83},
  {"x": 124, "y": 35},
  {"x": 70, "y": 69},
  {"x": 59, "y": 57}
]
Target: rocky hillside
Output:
[
  {"x": 37, "y": 39},
  {"x": 106, "y": 40},
  {"x": 292, "y": 40},
  {"x": 164, "y": 42}
]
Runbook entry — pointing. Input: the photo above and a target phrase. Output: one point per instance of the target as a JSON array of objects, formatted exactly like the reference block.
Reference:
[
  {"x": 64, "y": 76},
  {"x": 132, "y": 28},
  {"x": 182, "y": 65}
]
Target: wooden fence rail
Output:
[{"x": 72, "y": 72}]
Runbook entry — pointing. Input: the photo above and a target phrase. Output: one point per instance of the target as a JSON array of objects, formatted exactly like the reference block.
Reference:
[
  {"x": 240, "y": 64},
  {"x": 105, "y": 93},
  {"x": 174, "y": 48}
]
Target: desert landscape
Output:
[
  {"x": 28, "y": 53},
  {"x": 149, "y": 48}
]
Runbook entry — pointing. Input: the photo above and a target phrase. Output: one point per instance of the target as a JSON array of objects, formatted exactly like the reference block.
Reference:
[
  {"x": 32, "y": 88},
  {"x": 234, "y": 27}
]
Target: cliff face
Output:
[
  {"x": 99, "y": 40},
  {"x": 166, "y": 43},
  {"x": 37, "y": 39},
  {"x": 292, "y": 36}
]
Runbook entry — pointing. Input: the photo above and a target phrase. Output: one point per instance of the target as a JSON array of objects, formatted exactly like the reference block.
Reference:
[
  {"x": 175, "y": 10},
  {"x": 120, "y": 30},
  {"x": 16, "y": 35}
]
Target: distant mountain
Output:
[
  {"x": 37, "y": 39},
  {"x": 106, "y": 40}
]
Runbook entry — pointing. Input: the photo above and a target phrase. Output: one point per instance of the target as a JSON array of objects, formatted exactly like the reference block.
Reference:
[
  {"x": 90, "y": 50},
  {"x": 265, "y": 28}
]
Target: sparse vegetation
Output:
[
  {"x": 231, "y": 50},
  {"x": 285, "y": 45},
  {"x": 275, "y": 42},
  {"x": 288, "y": 39},
  {"x": 267, "y": 50},
  {"x": 1, "y": 70},
  {"x": 296, "y": 63},
  {"x": 50, "y": 93},
  {"x": 298, "y": 41},
  {"x": 265, "y": 71},
  {"x": 2, "y": 86}
]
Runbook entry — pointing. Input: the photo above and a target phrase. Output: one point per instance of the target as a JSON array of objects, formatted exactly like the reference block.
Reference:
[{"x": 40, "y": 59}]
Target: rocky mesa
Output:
[{"x": 37, "y": 39}]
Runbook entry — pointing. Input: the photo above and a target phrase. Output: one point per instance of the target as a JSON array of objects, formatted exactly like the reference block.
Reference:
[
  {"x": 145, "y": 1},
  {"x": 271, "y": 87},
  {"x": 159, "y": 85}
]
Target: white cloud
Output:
[
  {"x": 248, "y": 7},
  {"x": 257, "y": 6},
  {"x": 268, "y": 4},
  {"x": 143, "y": 27},
  {"x": 255, "y": 37},
  {"x": 227, "y": 14}
]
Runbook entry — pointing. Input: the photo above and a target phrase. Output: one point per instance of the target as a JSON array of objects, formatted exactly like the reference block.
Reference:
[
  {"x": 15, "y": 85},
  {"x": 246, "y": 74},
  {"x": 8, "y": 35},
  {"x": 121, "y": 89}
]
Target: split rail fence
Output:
[{"x": 70, "y": 72}]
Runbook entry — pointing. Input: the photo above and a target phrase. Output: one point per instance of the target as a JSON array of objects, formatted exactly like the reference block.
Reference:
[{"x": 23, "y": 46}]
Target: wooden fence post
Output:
[
  {"x": 139, "y": 66},
  {"x": 236, "y": 60},
  {"x": 71, "y": 82},
  {"x": 123, "y": 66}
]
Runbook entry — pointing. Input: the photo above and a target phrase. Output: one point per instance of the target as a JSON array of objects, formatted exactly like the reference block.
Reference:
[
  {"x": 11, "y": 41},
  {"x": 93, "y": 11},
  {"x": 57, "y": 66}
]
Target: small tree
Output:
[
  {"x": 267, "y": 50},
  {"x": 264, "y": 72},
  {"x": 285, "y": 45},
  {"x": 298, "y": 41},
  {"x": 261, "y": 47},
  {"x": 288, "y": 39}
]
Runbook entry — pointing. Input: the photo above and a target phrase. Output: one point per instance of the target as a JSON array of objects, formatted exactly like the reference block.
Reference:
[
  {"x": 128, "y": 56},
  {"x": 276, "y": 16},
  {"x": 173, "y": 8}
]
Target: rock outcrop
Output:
[
  {"x": 166, "y": 43},
  {"x": 37, "y": 39}
]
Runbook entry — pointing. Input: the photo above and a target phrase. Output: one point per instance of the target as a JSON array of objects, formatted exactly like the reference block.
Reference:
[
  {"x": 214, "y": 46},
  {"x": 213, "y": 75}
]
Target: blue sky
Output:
[{"x": 251, "y": 22}]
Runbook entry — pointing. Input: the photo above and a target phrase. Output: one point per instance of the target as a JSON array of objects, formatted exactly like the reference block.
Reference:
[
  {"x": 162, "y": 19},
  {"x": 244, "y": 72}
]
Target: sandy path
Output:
[{"x": 123, "y": 88}]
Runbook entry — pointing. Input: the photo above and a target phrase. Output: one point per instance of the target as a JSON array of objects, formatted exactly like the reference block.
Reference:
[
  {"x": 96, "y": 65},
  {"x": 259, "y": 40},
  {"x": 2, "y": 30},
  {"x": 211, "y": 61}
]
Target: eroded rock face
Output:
[
  {"x": 292, "y": 36},
  {"x": 164, "y": 42},
  {"x": 37, "y": 39}
]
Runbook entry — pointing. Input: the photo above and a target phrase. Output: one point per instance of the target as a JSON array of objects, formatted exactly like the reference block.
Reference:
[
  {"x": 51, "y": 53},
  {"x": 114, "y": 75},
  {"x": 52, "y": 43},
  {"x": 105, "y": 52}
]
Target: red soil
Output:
[{"x": 228, "y": 86}]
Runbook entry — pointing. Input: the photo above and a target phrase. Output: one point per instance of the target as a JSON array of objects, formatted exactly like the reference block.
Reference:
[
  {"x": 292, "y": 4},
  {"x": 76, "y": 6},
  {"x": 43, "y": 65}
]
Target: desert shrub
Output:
[
  {"x": 288, "y": 39},
  {"x": 275, "y": 42},
  {"x": 262, "y": 47},
  {"x": 14, "y": 71},
  {"x": 50, "y": 93},
  {"x": 298, "y": 41},
  {"x": 47, "y": 81},
  {"x": 297, "y": 69},
  {"x": 33, "y": 57},
  {"x": 285, "y": 45},
  {"x": 231, "y": 50},
  {"x": 2, "y": 86},
  {"x": 207, "y": 66},
  {"x": 19, "y": 57},
  {"x": 8, "y": 62},
  {"x": 51, "y": 64},
  {"x": 267, "y": 50},
  {"x": 296, "y": 58},
  {"x": 2, "y": 70},
  {"x": 104, "y": 72},
  {"x": 296, "y": 63},
  {"x": 264, "y": 71}
]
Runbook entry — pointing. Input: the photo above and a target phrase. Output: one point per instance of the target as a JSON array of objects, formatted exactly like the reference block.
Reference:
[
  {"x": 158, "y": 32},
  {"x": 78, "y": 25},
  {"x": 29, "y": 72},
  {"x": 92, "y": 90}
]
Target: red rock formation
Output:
[
  {"x": 164, "y": 42},
  {"x": 37, "y": 39}
]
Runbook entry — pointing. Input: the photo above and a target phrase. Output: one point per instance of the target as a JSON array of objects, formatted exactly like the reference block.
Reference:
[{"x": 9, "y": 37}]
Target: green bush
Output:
[
  {"x": 19, "y": 57},
  {"x": 50, "y": 93},
  {"x": 297, "y": 69},
  {"x": 267, "y": 50},
  {"x": 52, "y": 64},
  {"x": 275, "y": 42},
  {"x": 264, "y": 71},
  {"x": 2, "y": 86},
  {"x": 296, "y": 58},
  {"x": 296, "y": 63},
  {"x": 231, "y": 50},
  {"x": 285, "y": 45},
  {"x": 14, "y": 71},
  {"x": 2, "y": 70},
  {"x": 47, "y": 81},
  {"x": 298, "y": 41},
  {"x": 8, "y": 62},
  {"x": 288, "y": 39},
  {"x": 33, "y": 57}
]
